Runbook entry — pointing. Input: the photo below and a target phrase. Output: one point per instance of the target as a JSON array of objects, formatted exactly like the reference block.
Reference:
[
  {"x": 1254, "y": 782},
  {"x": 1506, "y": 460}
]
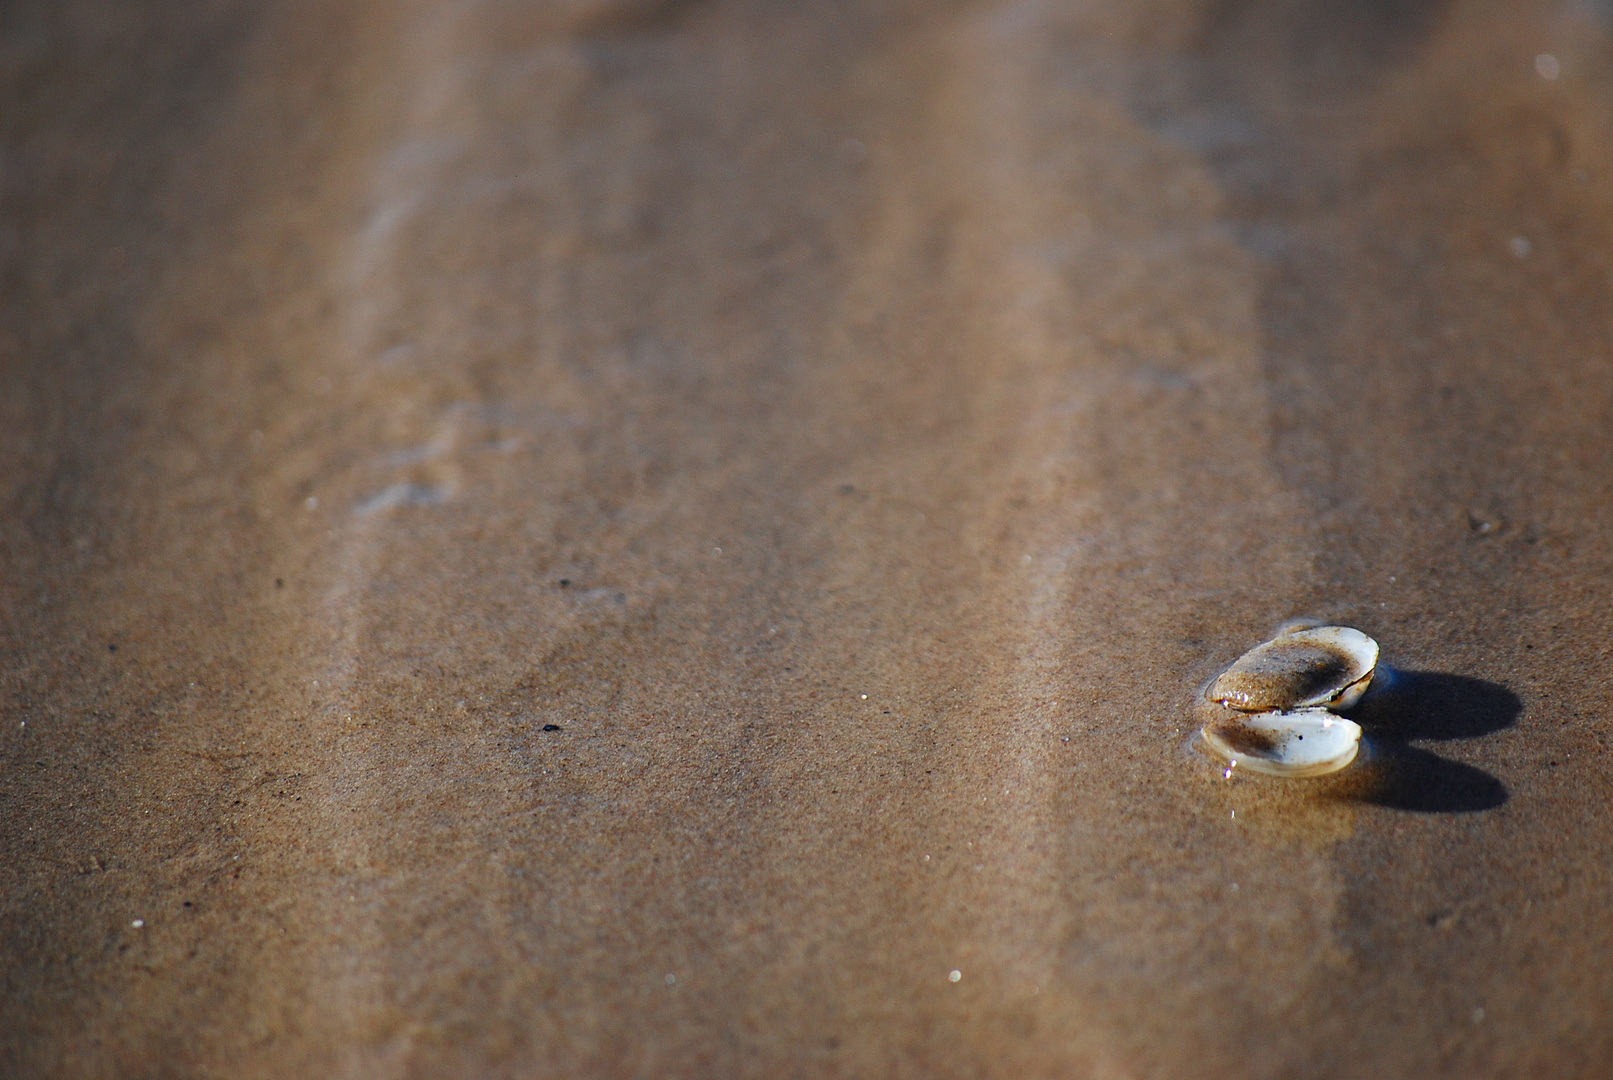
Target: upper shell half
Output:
[{"x": 1328, "y": 666}]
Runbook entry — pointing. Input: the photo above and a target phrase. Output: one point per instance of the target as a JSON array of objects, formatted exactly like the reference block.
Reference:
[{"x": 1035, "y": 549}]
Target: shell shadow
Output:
[{"x": 1431, "y": 705}]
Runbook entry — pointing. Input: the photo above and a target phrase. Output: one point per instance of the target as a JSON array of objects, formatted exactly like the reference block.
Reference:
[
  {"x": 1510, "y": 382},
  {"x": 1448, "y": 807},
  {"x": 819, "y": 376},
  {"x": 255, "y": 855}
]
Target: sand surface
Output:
[{"x": 614, "y": 538}]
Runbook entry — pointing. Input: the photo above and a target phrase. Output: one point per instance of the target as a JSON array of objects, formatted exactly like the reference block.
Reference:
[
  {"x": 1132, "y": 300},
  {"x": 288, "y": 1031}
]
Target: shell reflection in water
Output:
[{"x": 1278, "y": 699}]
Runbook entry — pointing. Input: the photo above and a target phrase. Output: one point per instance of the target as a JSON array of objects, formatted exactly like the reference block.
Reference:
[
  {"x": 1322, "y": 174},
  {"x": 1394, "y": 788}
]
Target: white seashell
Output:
[
  {"x": 1328, "y": 666},
  {"x": 1303, "y": 742}
]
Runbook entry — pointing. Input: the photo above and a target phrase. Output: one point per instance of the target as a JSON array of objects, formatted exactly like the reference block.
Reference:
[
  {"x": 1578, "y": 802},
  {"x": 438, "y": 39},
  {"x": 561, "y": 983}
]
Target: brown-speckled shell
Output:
[{"x": 1328, "y": 666}]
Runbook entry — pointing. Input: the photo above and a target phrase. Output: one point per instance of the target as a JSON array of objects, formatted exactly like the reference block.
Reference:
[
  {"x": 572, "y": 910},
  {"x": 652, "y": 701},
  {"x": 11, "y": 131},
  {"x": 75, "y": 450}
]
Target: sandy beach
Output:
[{"x": 683, "y": 538}]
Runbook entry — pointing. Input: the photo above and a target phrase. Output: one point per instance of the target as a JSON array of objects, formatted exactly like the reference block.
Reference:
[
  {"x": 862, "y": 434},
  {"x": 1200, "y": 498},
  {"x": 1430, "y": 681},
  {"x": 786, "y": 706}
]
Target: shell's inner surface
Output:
[
  {"x": 1304, "y": 742},
  {"x": 1323, "y": 665}
]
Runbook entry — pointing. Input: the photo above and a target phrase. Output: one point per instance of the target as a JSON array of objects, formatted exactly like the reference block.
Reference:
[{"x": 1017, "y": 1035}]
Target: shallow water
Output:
[{"x": 644, "y": 539}]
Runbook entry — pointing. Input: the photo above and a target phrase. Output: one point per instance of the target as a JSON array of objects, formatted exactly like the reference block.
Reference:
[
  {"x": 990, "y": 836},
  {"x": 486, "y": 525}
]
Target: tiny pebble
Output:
[
  {"x": 671, "y": 978},
  {"x": 138, "y": 923},
  {"x": 954, "y": 975}
]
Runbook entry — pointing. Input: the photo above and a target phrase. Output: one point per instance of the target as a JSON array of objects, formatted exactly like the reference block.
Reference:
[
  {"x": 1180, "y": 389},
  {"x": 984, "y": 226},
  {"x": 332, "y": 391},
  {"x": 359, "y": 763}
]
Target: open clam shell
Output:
[
  {"x": 1304, "y": 742},
  {"x": 1325, "y": 666}
]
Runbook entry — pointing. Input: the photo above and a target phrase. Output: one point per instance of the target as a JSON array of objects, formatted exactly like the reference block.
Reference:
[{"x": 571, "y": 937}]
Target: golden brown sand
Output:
[{"x": 605, "y": 538}]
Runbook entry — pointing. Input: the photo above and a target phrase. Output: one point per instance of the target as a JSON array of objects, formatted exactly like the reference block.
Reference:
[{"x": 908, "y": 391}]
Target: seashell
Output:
[
  {"x": 1327, "y": 666},
  {"x": 1303, "y": 742}
]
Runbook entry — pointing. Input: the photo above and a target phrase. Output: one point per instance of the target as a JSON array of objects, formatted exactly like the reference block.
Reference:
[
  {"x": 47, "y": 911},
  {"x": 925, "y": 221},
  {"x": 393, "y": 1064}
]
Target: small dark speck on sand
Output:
[
  {"x": 111, "y": 648},
  {"x": 551, "y": 727},
  {"x": 564, "y": 582},
  {"x": 279, "y": 583}
]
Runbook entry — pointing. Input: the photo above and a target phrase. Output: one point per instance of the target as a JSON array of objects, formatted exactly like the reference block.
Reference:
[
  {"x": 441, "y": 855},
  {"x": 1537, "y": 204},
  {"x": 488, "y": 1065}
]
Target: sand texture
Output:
[{"x": 615, "y": 538}]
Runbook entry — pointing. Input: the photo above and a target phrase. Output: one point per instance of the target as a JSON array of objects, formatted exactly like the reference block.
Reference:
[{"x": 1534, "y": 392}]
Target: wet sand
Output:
[{"x": 613, "y": 538}]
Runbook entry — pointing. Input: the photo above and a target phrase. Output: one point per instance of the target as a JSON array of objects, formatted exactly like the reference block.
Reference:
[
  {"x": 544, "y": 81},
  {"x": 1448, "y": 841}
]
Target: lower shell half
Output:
[{"x": 1298, "y": 743}]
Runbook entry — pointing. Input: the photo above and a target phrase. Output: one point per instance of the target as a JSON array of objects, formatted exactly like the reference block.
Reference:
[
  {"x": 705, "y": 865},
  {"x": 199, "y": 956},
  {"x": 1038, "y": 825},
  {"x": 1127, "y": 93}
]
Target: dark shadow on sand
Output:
[{"x": 1429, "y": 705}]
